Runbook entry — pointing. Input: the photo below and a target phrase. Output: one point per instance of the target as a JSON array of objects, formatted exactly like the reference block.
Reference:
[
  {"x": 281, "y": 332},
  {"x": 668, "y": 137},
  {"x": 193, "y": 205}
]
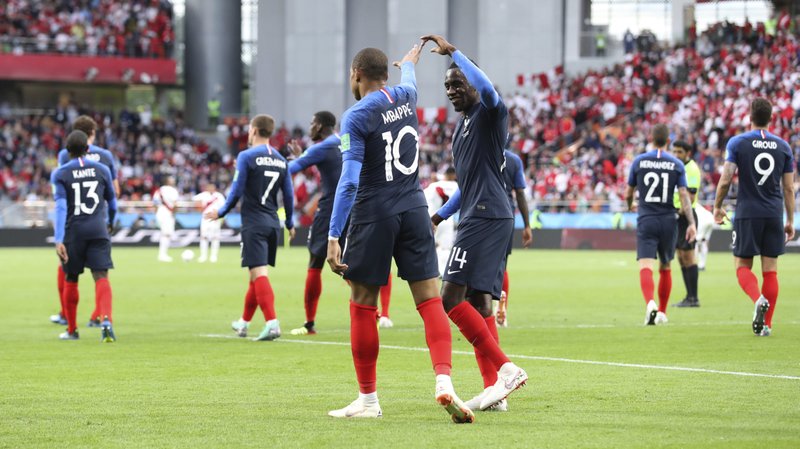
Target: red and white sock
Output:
[
  {"x": 61, "y": 278},
  {"x": 312, "y": 293},
  {"x": 364, "y": 344},
  {"x": 437, "y": 335},
  {"x": 485, "y": 366},
  {"x": 250, "y": 303},
  {"x": 748, "y": 282},
  {"x": 664, "y": 289},
  {"x": 265, "y": 297},
  {"x": 646, "y": 283},
  {"x": 102, "y": 299},
  {"x": 473, "y": 326},
  {"x": 71, "y": 298},
  {"x": 770, "y": 291},
  {"x": 386, "y": 296}
]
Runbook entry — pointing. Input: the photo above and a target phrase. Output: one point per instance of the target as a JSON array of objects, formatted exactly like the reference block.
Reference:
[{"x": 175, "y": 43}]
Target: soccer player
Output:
[
  {"x": 325, "y": 155},
  {"x": 437, "y": 194},
  {"x": 85, "y": 210},
  {"x": 476, "y": 264},
  {"x": 166, "y": 198},
  {"x": 656, "y": 175},
  {"x": 705, "y": 226},
  {"x": 379, "y": 190},
  {"x": 686, "y": 249},
  {"x": 209, "y": 229},
  {"x": 261, "y": 172},
  {"x": 89, "y": 127},
  {"x": 766, "y": 186}
]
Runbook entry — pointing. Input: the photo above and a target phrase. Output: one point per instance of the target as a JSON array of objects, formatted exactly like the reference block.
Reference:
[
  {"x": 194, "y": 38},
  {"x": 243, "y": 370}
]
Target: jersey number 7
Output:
[
  {"x": 393, "y": 152},
  {"x": 273, "y": 178}
]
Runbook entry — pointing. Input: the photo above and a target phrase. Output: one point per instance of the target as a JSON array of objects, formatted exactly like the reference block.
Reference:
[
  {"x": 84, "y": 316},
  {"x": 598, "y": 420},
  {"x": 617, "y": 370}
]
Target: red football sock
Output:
[
  {"x": 364, "y": 345},
  {"x": 386, "y": 296},
  {"x": 646, "y": 283},
  {"x": 102, "y": 299},
  {"x": 664, "y": 289},
  {"x": 250, "y": 303},
  {"x": 71, "y": 297},
  {"x": 488, "y": 371},
  {"x": 473, "y": 327},
  {"x": 61, "y": 278},
  {"x": 312, "y": 293},
  {"x": 748, "y": 282},
  {"x": 770, "y": 291},
  {"x": 505, "y": 283},
  {"x": 437, "y": 334},
  {"x": 265, "y": 297}
]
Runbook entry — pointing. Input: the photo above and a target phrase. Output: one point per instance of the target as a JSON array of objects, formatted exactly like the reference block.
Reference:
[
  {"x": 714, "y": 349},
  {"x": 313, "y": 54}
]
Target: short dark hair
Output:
[
  {"x": 373, "y": 64},
  {"x": 684, "y": 145},
  {"x": 450, "y": 170},
  {"x": 760, "y": 112},
  {"x": 86, "y": 124},
  {"x": 264, "y": 125},
  {"x": 660, "y": 135},
  {"x": 77, "y": 143},
  {"x": 326, "y": 119}
]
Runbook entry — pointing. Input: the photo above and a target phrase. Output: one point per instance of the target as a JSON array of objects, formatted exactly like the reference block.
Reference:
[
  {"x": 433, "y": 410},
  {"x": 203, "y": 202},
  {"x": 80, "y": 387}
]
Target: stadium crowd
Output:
[
  {"x": 135, "y": 28},
  {"x": 576, "y": 135}
]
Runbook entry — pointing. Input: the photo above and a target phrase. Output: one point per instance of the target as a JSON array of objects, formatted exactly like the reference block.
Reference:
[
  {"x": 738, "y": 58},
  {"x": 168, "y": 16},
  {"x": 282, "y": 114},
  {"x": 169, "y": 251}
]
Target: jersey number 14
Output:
[{"x": 393, "y": 152}]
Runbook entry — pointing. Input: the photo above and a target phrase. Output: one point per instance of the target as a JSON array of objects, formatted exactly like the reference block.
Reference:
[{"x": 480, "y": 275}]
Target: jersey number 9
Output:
[
  {"x": 393, "y": 152},
  {"x": 764, "y": 172}
]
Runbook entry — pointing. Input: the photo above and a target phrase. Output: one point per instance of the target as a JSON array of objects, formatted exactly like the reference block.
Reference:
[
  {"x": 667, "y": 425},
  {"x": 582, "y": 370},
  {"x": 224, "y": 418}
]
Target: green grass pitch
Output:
[{"x": 177, "y": 377}]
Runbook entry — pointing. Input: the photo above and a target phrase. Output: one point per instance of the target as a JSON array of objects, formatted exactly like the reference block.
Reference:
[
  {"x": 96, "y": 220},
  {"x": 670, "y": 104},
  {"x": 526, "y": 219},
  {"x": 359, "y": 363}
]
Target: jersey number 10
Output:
[{"x": 393, "y": 152}]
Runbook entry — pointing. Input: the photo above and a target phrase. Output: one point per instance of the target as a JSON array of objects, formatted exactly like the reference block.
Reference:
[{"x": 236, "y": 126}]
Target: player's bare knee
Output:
[
  {"x": 99, "y": 274},
  {"x": 452, "y": 295},
  {"x": 482, "y": 302},
  {"x": 422, "y": 291},
  {"x": 364, "y": 295}
]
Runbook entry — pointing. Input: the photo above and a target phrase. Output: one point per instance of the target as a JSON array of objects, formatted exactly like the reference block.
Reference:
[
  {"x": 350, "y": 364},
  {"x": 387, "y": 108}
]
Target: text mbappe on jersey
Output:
[
  {"x": 400, "y": 112},
  {"x": 84, "y": 173},
  {"x": 270, "y": 162}
]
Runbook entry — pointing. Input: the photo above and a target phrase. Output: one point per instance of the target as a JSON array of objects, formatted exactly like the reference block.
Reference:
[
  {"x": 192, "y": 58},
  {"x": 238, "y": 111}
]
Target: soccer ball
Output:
[{"x": 187, "y": 255}]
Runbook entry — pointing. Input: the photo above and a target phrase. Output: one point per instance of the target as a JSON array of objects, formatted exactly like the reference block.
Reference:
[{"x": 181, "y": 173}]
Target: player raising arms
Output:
[
  {"x": 325, "y": 155},
  {"x": 85, "y": 210},
  {"x": 476, "y": 264},
  {"x": 379, "y": 189},
  {"x": 94, "y": 153},
  {"x": 764, "y": 162},
  {"x": 260, "y": 172},
  {"x": 655, "y": 175}
]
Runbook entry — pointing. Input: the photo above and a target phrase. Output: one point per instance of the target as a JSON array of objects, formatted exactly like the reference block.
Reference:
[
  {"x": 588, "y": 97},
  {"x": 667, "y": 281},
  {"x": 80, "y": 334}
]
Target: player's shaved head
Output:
[
  {"x": 760, "y": 112},
  {"x": 326, "y": 119},
  {"x": 660, "y": 135},
  {"x": 263, "y": 124},
  {"x": 77, "y": 143},
  {"x": 372, "y": 63},
  {"x": 86, "y": 124}
]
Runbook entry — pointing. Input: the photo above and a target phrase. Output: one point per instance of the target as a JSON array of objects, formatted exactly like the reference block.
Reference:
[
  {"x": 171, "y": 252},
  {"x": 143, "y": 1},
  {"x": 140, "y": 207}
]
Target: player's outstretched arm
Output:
[
  {"x": 788, "y": 202},
  {"x": 722, "y": 191},
  {"x": 449, "y": 208},
  {"x": 312, "y": 156},
  {"x": 288, "y": 201},
  {"x": 476, "y": 77},
  {"x": 406, "y": 65}
]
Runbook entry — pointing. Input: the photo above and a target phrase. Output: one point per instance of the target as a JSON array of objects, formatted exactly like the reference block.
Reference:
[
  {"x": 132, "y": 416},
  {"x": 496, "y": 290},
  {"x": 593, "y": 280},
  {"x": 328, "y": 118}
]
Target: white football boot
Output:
[
  {"x": 650, "y": 313},
  {"x": 661, "y": 318},
  {"x": 509, "y": 378},
  {"x": 385, "y": 322},
  {"x": 358, "y": 409},
  {"x": 447, "y": 398}
]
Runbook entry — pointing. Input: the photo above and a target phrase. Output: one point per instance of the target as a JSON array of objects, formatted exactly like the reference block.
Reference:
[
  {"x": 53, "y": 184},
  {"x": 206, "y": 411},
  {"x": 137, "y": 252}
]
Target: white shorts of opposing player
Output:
[
  {"x": 445, "y": 237},
  {"x": 705, "y": 225},
  {"x": 166, "y": 224},
  {"x": 209, "y": 231}
]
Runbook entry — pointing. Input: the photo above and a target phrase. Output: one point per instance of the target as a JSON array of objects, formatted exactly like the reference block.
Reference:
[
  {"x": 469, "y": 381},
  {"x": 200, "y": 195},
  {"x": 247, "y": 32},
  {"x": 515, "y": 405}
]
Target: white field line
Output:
[{"x": 548, "y": 359}]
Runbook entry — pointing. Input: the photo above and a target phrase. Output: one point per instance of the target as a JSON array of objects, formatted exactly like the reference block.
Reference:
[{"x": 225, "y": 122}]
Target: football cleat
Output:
[
  {"x": 501, "y": 406},
  {"x": 475, "y": 403},
  {"x": 761, "y": 307},
  {"x": 240, "y": 326},
  {"x": 501, "y": 317},
  {"x": 357, "y": 409},
  {"x": 69, "y": 335},
  {"x": 766, "y": 332},
  {"x": 661, "y": 318},
  {"x": 385, "y": 322},
  {"x": 446, "y": 397},
  {"x": 272, "y": 331},
  {"x": 107, "y": 332},
  {"x": 650, "y": 313},
  {"x": 688, "y": 302},
  {"x": 58, "y": 319},
  {"x": 305, "y": 329},
  {"x": 510, "y": 377},
  {"x": 94, "y": 322}
]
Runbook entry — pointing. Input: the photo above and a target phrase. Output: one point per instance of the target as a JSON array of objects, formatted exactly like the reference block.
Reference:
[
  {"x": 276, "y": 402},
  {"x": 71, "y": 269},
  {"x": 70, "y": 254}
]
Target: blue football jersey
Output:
[
  {"x": 762, "y": 158},
  {"x": 380, "y": 132},
  {"x": 261, "y": 172},
  {"x": 96, "y": 154},
  {"x": 328, "y": 159},
  {"x": 656, "y": 174},
  {"x": 513, "y": 176},
  {"x": 87, "y": 189}
]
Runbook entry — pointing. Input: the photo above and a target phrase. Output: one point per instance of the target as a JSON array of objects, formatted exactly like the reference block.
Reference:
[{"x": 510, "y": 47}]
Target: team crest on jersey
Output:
[{"x": 345, "y": 145}]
